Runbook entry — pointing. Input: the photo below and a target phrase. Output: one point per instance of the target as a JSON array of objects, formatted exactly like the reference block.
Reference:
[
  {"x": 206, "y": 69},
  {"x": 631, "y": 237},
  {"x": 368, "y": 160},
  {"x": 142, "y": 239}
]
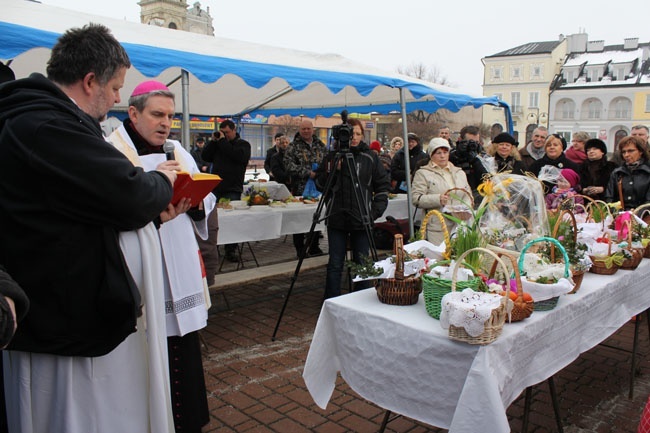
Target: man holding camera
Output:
[
  {"x": 229, "y": 155},
  {"x": 465, "y": 156}
]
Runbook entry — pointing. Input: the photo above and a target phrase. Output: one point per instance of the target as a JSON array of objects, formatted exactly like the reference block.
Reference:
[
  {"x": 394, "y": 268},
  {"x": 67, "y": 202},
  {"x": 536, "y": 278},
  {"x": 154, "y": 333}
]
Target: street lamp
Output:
[{"x": 536, "y": 117}]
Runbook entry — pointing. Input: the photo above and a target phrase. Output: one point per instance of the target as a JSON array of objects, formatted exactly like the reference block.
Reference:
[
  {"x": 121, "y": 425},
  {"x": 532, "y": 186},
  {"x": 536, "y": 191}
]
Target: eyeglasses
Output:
[{"x": 624, "y": 151}]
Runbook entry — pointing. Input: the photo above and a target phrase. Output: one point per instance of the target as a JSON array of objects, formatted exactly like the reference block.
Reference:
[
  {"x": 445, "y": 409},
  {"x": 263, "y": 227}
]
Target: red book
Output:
[{"x": 195, "y": 186}]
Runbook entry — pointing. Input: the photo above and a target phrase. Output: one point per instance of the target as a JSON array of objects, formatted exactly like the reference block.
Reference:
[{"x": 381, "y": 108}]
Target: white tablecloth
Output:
[
  {"x": 401, "y": 359},
  {"x": 266, "y": 222}
]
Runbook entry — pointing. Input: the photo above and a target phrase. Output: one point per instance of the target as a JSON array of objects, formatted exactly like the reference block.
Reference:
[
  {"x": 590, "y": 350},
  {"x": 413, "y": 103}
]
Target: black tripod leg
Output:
[{"x": 305, "y": 246}]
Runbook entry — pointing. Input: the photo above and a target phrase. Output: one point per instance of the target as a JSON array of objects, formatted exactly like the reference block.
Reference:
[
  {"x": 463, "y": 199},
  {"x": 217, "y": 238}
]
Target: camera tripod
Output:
[{"x": 345, "y": 159}]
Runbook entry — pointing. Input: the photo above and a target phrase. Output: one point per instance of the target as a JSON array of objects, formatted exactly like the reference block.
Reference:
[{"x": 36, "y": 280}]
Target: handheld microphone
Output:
[{"x": 168, "y": 148}]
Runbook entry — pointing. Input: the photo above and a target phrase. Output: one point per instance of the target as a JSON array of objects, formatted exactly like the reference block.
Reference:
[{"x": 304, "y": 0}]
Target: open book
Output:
[{"x": 195, "y": 186}]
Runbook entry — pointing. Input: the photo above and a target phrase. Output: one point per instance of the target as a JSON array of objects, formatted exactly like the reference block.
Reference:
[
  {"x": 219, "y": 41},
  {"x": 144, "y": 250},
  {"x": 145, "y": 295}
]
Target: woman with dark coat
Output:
[
  {"x": 596, "y": 169},
  {"x": 504, "y": 150},
  {"x": 630, "y": 183},
  {"x": 554, "y": 156},
  {"x": 346, "y": 224},
  {"x": 398, "y": 165}
]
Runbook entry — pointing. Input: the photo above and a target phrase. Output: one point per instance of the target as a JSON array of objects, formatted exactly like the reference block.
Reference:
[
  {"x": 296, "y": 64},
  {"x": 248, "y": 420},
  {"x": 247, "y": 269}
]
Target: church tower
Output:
[
  {"x": 164, "y": 13},
  {"x": 174, "y": 14}
]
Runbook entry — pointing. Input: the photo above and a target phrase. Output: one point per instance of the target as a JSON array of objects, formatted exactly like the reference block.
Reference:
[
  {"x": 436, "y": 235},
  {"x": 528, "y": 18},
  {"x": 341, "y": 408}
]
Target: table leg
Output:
[{"x": 556, "y": 404}]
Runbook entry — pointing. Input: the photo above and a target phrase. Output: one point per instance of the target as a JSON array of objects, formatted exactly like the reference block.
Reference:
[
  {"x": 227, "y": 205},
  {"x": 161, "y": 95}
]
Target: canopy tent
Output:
[{"x": 230, "y": 78}]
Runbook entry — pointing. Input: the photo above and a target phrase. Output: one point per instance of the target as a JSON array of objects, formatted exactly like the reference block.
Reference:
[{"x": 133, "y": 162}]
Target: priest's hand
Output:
[{"x": 173, "y": 211}]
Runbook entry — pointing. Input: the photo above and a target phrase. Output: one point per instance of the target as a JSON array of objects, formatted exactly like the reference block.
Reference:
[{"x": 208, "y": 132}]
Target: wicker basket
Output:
[
  {"x": 546, "y": 304},
  {"x": 399, "y": 290},
  {"x": 576, "y": 276},
  {"x": 434, "y": 288},
  {"x": 445, "y": 231},
  {"x": 643, "y": 212},
  {"x": 636, "y": 254},
  {"x": 599, "y": 264},
  {"x": 494, "y": 325},
  {"x": 464, "y": 214},
  {"x": 521, "y": 309}
]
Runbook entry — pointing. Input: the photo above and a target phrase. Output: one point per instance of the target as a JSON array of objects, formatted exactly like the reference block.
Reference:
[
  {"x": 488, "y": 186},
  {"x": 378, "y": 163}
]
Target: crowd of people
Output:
[{"x": 104, "y": 282}]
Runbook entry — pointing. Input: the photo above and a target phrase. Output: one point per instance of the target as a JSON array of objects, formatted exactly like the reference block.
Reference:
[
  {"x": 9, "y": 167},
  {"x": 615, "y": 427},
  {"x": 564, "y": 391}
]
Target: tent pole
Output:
[
  {"x": 407, "y": 162},
  {"x": 185, "y": 83}
]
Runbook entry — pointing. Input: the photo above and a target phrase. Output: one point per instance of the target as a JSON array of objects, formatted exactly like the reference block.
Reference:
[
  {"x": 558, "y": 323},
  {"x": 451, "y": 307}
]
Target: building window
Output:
[
  {"x": 497, "y": 73},
  {"x": 536, "y": 71},
  {"x": 594, "y": 107},
  {"x": 515, "y": 102},
  {"x": 620, "y": 108},
  {"x": 533, "y": 99},
  {"x": 565, "y": 109},
  {"x": 515, "y": 72},
  {"x": 647, "y": 103}
]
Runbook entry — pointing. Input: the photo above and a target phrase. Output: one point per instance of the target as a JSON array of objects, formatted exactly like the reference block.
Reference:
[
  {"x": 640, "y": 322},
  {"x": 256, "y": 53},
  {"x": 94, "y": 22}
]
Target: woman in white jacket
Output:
[{"x": 432, "y": 182}]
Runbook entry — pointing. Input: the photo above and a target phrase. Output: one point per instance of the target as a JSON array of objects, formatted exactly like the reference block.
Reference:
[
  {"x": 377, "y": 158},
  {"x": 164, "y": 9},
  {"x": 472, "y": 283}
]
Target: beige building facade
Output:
[{"x": 521, "y": 77}]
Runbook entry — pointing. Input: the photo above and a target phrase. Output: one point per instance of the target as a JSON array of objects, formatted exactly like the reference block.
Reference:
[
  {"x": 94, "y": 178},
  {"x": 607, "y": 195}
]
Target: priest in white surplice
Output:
[{"x": 141, "y": 138}]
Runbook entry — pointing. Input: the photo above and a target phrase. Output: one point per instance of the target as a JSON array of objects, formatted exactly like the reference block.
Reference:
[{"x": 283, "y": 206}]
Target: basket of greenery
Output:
[
  {"x": 565, "y": 230},
  {"x": 436, "y": 283}
]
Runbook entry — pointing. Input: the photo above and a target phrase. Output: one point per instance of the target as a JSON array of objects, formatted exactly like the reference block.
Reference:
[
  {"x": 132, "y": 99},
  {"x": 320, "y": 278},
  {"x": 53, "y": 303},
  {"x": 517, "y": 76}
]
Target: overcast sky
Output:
[{"x": 451, "y": 36}]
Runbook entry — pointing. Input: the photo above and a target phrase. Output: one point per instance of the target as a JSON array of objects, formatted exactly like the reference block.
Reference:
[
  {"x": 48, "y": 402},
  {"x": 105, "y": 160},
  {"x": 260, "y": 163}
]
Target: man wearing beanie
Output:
[
  {"x": 82, "y": 358},
  {"x": 141, "y": 138},
  {"x": 596, "y": 170}
]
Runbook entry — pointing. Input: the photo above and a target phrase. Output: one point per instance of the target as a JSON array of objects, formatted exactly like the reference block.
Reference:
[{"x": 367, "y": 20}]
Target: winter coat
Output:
[
  {"x": 280, "y": 173},
  {"x": 299, "y": 159},
  {"x": 398, "y": 166},
  {"x": 229, "y": 160},
  {"x": 509, "y": 164},
  {"x": 342, "y": 206},
  {"x": 428, "y": 185},
  {"x": 596, "y": 173},
  {"x": 560, "y": 162},
  {"x": 272, "y": 151},
  {"x": 65, "y": 193},
  {"x": 635, "y": 184}
]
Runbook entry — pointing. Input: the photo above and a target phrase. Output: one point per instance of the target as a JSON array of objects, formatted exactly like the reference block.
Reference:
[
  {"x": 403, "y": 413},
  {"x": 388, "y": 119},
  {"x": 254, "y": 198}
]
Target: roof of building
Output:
[{"x": 529, "y": 48}]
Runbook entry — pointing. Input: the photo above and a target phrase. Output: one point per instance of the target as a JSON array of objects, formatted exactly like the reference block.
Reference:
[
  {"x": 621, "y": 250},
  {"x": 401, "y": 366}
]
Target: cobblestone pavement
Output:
[{"x": 255, "y": 384}]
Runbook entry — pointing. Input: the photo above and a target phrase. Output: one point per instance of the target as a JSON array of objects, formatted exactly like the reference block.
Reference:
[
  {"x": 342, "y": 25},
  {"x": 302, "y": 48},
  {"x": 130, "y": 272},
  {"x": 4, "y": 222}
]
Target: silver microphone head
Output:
[{"x": 168, "y": 148}]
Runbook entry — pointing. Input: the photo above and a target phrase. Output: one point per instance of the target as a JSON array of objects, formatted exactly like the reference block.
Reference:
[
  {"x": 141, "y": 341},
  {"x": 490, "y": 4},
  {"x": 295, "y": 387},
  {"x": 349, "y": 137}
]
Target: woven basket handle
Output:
[
  {"x": 459, "y": 262},
  {"x": 545, "y": 239},
  {"x": 463, "y": 190},
  {"x": 642, "y": 211},
  {"x": 398, "y": 249},
  {"x": 557, "y": 227},
  {"x": 443, "y": 224},
  {"x": 520, "y": 288}
]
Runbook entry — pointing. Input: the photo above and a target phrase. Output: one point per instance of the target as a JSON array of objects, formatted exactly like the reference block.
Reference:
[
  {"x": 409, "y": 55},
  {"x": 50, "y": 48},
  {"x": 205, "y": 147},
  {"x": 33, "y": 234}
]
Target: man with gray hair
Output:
[
  {"x": 142, "y": 138},
  {"x": 67, "y": 201},
  {"x": 535, "y": 149}
]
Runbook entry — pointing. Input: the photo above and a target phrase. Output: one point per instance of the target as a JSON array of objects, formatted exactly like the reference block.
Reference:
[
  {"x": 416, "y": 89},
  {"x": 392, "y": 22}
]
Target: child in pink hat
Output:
[{"x": 568, "y": 185}]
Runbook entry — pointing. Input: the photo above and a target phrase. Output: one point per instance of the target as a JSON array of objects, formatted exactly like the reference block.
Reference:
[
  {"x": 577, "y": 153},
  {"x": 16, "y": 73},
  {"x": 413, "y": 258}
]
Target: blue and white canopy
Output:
[{"x": 230, "y": 77}]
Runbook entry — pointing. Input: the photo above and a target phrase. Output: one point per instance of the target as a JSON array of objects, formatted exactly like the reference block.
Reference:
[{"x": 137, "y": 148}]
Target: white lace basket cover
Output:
[{"x": 468, "y": 309}]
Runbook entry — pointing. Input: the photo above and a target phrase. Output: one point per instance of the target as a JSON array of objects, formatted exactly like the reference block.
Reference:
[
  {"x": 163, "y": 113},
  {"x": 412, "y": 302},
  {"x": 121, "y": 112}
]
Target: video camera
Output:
[
  {"x": 467, "y": 150},
  {"x": 342, "y": 133}
]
